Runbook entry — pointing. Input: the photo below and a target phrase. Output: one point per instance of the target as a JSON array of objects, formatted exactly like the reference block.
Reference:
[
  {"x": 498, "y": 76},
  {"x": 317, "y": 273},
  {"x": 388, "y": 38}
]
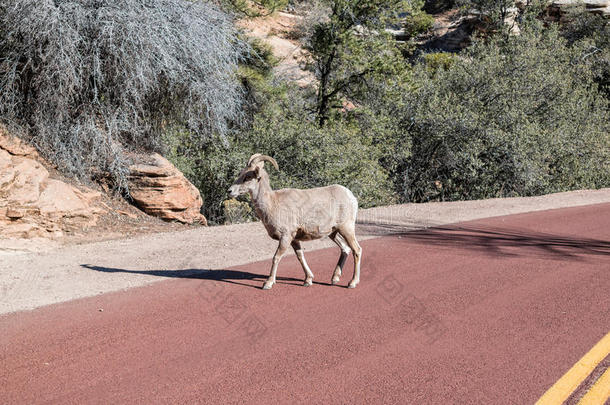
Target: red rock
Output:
[
  {"x": 161, "y": 190},
  {"x": 31, "y": 203},
  {"x": 16, "y": 146}
]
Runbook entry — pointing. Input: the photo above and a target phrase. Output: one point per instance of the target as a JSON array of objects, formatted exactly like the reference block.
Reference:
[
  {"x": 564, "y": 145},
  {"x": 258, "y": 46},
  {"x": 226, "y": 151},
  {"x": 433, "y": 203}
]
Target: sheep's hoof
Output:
[
  {"x": 307, "y": 283},
  {"x": 334, "y": 281},
  {"x": 267, "y": 286},
  {"x": 352, "y": 284}
]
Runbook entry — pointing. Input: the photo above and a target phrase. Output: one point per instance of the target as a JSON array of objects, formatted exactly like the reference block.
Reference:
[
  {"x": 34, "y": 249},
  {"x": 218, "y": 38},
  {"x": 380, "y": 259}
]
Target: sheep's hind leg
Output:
[
  {"x": 281, "y": 249},
  {"x": 345, "y": 249},
  {"x": 350, "y": 237},
  {"x": 296, "y": 245}
]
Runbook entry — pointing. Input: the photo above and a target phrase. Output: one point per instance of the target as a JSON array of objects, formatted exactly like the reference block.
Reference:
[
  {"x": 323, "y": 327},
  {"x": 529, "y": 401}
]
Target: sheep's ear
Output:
[{"x": 257, "y": 170}]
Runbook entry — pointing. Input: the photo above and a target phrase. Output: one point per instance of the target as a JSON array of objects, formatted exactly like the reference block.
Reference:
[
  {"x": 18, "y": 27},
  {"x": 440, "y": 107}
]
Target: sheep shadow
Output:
[{"x": 219, "y": 275}]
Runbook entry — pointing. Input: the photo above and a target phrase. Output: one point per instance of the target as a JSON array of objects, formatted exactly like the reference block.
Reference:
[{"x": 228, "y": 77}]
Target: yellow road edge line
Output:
[
  {"x": 599, "y": 392},
  {"x": 561, "y": 390}
]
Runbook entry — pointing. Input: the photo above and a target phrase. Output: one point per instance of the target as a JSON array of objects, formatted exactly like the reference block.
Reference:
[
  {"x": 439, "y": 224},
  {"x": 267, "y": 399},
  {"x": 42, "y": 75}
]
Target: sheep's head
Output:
[{"x": 250, "y": 176}]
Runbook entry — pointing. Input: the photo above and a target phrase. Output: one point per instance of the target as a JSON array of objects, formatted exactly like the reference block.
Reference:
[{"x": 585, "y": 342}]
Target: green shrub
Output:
[
  {"x": 592, "y": 31},
  {"x": 418, "y": 23},
  {"x": 236, "y": 212},
  {"x": 519, "y": 116},
  {"x": 255, "y": 72},
  {"x": 438, "y": 60}
]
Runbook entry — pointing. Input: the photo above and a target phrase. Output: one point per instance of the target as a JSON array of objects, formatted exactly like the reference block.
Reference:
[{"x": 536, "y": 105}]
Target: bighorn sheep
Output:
[{"x": 292, "y": 215}]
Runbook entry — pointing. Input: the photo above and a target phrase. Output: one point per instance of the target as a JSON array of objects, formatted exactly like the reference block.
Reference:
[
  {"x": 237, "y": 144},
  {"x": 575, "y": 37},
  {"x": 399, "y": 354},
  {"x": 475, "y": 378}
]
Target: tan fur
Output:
[{"x": 294, "y": 215}]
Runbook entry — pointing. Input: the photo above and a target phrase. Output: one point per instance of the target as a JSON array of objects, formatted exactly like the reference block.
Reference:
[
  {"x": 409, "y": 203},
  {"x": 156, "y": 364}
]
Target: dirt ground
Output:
[
  {"x": 275, "y": 31},
  {"x": 35, "y": 273}
]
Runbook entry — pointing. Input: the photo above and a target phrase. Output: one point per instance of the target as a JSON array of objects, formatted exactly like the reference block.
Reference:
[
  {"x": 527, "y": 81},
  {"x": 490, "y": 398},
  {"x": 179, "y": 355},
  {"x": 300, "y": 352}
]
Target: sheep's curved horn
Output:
[
  {"x": 257, "y": 157},
  {"x": 252, "y": 158}
]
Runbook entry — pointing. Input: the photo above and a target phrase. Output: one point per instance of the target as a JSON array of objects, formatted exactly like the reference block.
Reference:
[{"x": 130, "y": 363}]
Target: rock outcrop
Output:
[
  {"x": 451, "y": 32},
  {"x": 32, "y": 204},
  {"x": 453, "y": 29},
  {"x": 161, "y": 190},
  {"x": 601, "y": 7}
]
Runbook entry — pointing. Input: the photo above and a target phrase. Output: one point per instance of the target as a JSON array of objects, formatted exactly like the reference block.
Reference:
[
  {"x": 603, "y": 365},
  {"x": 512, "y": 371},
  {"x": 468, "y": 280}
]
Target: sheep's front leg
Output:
[
  {"x": 296, "y": 245},
  {"x": 281, "y": 249}
]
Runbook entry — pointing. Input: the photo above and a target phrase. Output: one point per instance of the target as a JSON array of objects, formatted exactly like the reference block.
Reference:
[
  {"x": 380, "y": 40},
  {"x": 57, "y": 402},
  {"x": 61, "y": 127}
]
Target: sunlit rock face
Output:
[
  {"x": 161, "y": 190},
  {"x": 32, "y": 203}
]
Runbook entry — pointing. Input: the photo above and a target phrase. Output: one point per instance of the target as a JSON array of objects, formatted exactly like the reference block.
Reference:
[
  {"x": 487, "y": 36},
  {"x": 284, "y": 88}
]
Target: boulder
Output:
[
  {"x": 161, "y": 190},
  {"x": 32, "y": 204}
]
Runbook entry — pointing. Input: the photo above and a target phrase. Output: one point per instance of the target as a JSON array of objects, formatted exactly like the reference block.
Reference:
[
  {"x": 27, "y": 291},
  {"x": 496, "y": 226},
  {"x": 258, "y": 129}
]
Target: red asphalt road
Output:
[{"x": 490, "y": 311}]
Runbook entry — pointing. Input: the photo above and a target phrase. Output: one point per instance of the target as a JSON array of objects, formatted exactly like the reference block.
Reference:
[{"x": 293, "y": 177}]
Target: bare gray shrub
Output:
[{"x": 88, "y": 79}]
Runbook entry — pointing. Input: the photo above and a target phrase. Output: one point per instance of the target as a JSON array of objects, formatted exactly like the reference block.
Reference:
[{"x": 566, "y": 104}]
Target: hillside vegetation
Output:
[{"x": 511, "y": 115}]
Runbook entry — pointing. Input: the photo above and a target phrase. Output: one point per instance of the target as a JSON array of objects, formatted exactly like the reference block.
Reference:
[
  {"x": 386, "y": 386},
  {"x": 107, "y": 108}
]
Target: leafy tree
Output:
[{"x": 351, "y": 49}]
